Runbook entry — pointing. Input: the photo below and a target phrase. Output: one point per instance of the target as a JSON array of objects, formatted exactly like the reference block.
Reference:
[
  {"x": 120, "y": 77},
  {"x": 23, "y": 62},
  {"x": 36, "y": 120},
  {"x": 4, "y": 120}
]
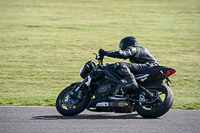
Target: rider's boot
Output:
[{"x": 131, "y": 83}]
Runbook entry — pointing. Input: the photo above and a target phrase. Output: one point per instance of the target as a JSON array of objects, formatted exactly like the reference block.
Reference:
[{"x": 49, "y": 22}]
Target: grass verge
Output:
[{"x": 44, "y": 44}]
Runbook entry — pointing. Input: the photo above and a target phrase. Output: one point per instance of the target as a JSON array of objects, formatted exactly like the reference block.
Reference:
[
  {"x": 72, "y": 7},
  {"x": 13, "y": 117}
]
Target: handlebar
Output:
[{"x": 99, "y": 58}]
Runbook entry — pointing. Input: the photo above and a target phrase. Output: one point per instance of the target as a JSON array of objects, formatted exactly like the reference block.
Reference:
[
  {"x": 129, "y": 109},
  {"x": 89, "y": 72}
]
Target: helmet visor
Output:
[{"x": 120, "y": 45}]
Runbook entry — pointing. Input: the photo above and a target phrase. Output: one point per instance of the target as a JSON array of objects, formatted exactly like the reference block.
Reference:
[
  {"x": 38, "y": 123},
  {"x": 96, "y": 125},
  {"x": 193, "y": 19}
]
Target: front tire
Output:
[
  {"x": 158, "y": 108},
  {"x": 70, "y": 105}
]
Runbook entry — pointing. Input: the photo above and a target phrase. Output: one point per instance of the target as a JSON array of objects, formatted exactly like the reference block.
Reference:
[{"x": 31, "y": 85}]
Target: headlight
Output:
[
  {"x": 87, "y": 68},
  {"x": 81, "y": 70}
]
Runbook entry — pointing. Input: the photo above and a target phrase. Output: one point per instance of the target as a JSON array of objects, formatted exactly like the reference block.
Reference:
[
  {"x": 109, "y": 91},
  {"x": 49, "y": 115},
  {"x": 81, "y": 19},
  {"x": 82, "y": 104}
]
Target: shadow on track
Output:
[{"x": 92, "y": 116}]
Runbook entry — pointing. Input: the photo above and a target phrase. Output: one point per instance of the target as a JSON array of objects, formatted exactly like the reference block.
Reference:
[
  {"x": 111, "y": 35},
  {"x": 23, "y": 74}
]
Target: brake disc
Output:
[{"x": 70, "y": 99}]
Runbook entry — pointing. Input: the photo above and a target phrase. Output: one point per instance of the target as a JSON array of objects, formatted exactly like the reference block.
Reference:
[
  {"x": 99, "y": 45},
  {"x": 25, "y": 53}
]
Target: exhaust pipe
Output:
[
  {"x": 112, "y": 104},
  {"x": 118, "y": 104}
]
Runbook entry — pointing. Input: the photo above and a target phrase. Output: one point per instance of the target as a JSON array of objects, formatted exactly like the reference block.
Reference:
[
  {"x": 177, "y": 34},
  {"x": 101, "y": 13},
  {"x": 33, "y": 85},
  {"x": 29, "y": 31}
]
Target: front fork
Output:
[
  {"x": 76, "y": 88},
  {"x": 75, "y": 91}
]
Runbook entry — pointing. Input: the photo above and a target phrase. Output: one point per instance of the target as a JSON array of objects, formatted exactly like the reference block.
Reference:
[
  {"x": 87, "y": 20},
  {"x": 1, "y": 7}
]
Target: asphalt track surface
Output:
[{"x": 48, "y": 120}]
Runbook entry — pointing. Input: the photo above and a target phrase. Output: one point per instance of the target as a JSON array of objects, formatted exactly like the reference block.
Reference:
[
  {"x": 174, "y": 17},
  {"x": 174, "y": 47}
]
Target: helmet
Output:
[{"x": 128, "y": 41}]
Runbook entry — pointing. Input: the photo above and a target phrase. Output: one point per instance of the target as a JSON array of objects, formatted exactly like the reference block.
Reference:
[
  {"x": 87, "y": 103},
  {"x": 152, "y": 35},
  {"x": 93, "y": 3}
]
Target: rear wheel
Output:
[
  {"x": 69, "y": 104},
  {"x": 157, "y": 108}
]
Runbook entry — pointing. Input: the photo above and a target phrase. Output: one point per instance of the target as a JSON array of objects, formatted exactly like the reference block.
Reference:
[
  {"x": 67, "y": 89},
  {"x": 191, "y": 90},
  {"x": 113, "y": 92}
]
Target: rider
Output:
[{"x": 139, "y": 57}]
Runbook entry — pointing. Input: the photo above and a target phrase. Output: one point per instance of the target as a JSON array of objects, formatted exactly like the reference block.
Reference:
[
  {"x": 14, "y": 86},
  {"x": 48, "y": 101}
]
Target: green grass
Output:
[{"x": 43, "y": 44}]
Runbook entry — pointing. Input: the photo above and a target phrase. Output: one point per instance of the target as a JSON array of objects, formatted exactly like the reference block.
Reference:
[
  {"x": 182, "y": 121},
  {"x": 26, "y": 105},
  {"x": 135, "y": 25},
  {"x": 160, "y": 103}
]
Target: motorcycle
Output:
[{"x": 103, "y": 92}]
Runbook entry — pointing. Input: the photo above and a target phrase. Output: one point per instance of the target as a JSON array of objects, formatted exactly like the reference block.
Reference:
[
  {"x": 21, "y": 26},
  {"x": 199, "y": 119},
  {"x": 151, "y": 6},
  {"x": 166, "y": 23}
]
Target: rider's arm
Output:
[{"x": 122, "y": 54}]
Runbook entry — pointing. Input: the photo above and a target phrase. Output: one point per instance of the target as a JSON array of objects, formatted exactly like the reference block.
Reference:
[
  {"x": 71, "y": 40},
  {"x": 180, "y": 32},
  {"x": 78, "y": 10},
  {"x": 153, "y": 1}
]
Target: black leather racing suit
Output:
[{"x": 139, "y": 57}]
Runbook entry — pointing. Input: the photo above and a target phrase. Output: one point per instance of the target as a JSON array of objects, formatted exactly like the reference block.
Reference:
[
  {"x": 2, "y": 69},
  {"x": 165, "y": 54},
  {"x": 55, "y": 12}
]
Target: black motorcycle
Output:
[{"x": 103, "y": 92}]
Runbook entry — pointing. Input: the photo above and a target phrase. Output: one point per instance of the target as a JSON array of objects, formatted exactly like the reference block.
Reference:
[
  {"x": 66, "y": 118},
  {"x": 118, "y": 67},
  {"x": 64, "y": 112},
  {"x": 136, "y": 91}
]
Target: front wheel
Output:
[
  {"x": 70, "y": 104},
  {"x": 160, "y": 106}
]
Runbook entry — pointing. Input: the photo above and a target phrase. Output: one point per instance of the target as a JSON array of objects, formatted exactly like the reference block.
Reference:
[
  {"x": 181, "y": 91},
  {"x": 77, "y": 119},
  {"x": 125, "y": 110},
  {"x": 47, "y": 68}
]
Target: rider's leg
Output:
[{"x": 129, "y": 78}]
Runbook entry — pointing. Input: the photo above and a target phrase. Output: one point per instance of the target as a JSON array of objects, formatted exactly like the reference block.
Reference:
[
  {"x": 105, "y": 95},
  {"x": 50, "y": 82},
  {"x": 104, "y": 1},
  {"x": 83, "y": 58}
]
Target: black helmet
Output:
[{"x": 128, "y": 41}]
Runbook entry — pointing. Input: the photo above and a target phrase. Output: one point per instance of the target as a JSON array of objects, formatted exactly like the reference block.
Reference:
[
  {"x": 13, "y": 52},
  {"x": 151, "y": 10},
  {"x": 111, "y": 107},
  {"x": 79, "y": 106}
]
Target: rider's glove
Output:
[{"x": 102, "y": 52}]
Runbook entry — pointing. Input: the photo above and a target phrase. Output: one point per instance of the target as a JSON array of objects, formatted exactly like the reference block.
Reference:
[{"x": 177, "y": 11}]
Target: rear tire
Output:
[
  {"x": 161, "y": 108},
  {"x": 64, "y": 99}
]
